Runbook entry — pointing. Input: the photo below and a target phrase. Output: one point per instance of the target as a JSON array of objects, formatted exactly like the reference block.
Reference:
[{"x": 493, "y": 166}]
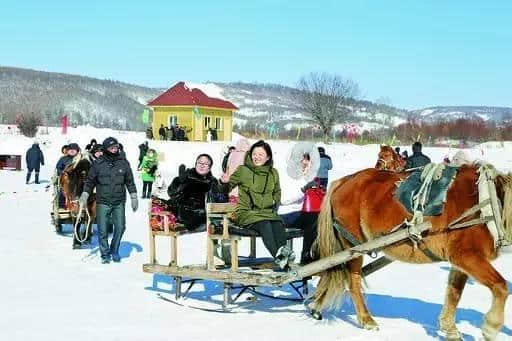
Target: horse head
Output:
[
  {"x": 73, "y": 178},
  {"x": 389, "y": 160}
]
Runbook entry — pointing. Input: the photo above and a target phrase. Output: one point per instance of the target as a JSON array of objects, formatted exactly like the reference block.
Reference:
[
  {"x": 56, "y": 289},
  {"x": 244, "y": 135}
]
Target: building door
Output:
[{"x": 172, "y": 120}]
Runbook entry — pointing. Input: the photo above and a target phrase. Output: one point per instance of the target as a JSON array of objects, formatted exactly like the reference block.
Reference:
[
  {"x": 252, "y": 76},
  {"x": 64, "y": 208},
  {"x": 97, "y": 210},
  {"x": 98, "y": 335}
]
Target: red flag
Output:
[{"x": 64, "y": 123}]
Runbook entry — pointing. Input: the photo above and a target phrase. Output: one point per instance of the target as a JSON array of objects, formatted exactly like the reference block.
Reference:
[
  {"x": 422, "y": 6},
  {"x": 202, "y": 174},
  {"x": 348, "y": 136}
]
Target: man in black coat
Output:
[
  {"x": 34, "y": 159},
  {"x": 111, "y": 174},
  {"x": 417, "y": 159}
]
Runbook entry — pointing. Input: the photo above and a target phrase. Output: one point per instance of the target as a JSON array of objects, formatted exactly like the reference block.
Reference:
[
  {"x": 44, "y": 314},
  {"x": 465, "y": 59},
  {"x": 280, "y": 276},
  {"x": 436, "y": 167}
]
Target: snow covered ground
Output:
[{"x": 51, "y": 292}]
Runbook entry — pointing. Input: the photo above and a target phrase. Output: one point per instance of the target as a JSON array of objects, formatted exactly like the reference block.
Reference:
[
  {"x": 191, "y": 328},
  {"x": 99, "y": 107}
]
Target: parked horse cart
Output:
[
  {"x": 475, "y": 221},
  {"x": 59, "y": 214}
]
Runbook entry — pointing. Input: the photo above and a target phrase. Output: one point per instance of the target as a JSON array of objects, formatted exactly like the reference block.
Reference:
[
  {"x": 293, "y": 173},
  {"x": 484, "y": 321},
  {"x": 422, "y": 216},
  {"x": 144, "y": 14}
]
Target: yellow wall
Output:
[{"x": 187, "y": 118}]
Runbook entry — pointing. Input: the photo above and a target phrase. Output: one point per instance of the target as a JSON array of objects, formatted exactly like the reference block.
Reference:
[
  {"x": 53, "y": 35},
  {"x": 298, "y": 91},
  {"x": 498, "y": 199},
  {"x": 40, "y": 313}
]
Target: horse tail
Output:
[{"x": 333, "y": 282}]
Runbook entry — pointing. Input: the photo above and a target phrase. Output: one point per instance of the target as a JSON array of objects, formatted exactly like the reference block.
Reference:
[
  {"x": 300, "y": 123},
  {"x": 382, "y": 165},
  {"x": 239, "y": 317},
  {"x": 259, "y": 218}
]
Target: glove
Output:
[
  {"x": 307, "y": 186},
  {"x": 83, "y": 199},
  {"x": 182, "y": 174},
  {"x": 135, "y": 201}
]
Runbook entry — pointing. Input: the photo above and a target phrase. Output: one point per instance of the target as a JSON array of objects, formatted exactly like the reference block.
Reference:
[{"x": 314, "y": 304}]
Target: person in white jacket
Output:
[{"x": 302, "y": 166}]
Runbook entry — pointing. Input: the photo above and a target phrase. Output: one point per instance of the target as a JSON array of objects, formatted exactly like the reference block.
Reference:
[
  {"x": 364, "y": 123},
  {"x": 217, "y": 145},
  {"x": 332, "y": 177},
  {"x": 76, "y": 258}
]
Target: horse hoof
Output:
[
  {"x": 370, "y": 325},
  {"x": 452, "y": 335},
  {"x": 316, "y": 314},
  {"x": 455, "y": 337}
]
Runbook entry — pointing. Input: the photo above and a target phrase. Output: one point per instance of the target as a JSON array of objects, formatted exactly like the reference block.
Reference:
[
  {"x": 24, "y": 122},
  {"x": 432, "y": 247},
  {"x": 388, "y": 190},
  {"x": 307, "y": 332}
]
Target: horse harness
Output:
[
  {"x": 349, "y": 237},
  {"x": 486, "y": 205}
]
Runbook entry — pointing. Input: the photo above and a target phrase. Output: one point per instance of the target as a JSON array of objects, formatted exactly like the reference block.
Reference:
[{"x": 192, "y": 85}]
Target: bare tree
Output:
[{"x": 325, "y": 98}]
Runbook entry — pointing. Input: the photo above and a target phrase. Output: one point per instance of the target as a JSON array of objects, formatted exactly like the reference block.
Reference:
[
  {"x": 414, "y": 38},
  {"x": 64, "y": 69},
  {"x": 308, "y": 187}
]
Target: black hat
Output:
[
  {"x": 74, "y": 146},
  {"x": 321, "y": 150},
  {"x": 96, "y": 148},
  {"x": 109, "y": 142}
]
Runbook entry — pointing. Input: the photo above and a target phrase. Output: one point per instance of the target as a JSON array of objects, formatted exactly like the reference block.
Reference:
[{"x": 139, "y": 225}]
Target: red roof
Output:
[{"x": 181, "y": 95}]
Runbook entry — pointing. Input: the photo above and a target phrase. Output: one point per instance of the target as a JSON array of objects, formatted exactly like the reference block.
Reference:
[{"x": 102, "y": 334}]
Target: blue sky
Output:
[{"x": 415, "y": 53}]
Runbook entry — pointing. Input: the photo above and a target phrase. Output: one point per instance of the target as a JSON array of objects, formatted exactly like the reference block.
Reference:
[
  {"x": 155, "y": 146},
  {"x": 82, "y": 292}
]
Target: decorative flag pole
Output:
[
  {"x": 64, "y": 123},
  {"x": 145, "y": 116}
]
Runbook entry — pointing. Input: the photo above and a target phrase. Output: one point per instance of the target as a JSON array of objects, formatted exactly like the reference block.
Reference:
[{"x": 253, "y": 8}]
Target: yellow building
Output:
[{"x": 194, "y": 111}]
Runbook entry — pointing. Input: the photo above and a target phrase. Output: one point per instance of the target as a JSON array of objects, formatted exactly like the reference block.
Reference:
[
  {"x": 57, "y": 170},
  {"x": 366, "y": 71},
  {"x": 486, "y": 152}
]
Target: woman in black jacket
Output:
[{"x": 189, "y": 190}]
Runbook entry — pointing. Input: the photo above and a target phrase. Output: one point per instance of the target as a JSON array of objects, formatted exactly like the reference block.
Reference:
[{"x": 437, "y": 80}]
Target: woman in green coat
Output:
[
  {"x": 260, "y": 197},
  {"x": 148, "y": 166}
]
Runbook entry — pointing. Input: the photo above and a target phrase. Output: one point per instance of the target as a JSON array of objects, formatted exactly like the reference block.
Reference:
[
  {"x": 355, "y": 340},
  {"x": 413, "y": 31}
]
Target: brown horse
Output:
[
  {"x": 364, "y": 204},
  {"x": 72, "y": 182},
  {"x": 389, "y": 160}
]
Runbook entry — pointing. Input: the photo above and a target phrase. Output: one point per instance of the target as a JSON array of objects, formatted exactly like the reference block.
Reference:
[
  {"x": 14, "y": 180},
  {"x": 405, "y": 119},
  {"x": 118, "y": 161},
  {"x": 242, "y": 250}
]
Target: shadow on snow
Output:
[{"x": 384, "y": 306}]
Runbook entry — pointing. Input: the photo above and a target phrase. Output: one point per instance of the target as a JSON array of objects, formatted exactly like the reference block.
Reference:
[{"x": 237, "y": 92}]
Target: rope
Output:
[{"x": 78, "y": 224}]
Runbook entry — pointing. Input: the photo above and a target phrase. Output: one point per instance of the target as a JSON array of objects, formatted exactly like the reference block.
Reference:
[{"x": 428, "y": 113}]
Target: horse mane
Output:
[{"x": 78, "y": 158}]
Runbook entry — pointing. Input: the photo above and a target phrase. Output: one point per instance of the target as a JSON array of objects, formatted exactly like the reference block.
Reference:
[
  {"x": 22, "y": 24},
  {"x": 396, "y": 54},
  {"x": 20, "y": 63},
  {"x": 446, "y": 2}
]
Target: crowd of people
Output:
[
  {"x": 177, "y": 133},
  {"x": 173, "y": 133}
]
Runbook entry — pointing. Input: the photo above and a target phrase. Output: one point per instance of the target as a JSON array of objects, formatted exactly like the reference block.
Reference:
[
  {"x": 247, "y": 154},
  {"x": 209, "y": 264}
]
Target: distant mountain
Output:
[
  {"x": 263, "y": 103},
  {"x": 107, "y": 103},
  {"x": 498, "y": 114},
  {"x": 102, "y": 103}
]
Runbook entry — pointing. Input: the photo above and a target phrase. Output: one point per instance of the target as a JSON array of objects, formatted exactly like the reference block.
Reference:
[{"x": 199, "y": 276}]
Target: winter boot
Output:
[
  {"x": 28, "y": 177},
  {"x": 37, "y": 177},
  {"x": 282, "y": 256}
]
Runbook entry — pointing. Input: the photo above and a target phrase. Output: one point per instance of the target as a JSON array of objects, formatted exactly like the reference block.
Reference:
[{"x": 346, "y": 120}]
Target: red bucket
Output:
[{"x": 313, "y": 200}]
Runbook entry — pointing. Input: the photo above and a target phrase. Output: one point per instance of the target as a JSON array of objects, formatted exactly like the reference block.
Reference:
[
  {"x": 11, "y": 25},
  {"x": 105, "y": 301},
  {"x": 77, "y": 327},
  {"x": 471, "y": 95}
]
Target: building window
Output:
[
  {"x": 207, "y": 120},
  {"x": 172, "y": 120},
  {"x": 218, "y": 123}
]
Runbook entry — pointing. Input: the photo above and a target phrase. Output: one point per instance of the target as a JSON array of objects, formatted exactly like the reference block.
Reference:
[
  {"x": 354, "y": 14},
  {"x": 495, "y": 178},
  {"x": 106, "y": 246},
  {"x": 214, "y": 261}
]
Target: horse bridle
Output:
[
  {"x": 381, "y": 160},
  {"x": 385, "y": 164}
]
